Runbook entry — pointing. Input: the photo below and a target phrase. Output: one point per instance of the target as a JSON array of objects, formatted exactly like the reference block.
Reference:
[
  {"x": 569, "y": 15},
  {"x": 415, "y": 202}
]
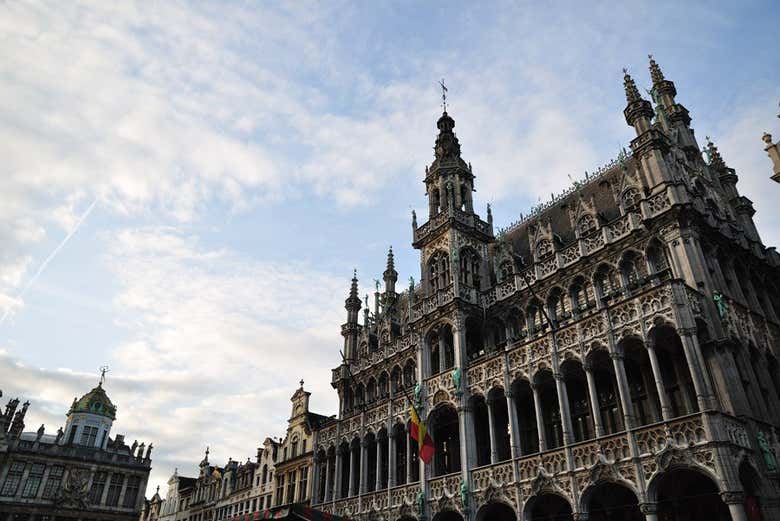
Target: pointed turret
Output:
[
  {"x": 349, "y": 330},
  {"x": 390, "y": 276},
  {"x": 638, "y": 111},
  {"x": 663, "y": 93},
  {"x": 715, "y": 159},
  {"x": 352, "y": 303},
  {"x": 743, "y": 207},
  {"x": 655, "y": 71}
]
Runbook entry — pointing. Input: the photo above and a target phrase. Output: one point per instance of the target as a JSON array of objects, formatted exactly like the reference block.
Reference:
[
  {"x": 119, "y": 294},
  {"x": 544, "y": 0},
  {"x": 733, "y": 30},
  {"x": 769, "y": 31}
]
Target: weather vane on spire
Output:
[
  {"x": 103, "y": 370},
  {"x": 443, "y": 95}
]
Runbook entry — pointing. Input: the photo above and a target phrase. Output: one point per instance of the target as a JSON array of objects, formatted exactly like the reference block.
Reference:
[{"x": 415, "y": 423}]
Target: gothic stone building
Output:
[
  {"x": 79, "y": 473},
  {"x": 613, "y": 355}
]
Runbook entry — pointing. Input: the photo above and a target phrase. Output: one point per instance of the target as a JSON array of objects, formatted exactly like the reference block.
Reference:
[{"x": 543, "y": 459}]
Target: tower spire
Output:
[
  {"x": 632, "y": 93},
  {"x": 715, "y": 159},
  {"x": 390, "y": 276},
  {"x": 655, "y": 71},
  {"x": 638, "y": 111}
]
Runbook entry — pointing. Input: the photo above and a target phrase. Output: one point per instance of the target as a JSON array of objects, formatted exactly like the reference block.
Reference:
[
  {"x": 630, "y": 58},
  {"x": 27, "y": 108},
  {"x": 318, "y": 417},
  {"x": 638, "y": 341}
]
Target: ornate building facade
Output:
[
  {"x": 78, "y": 473},
  {"x": 612, "y": 355}
]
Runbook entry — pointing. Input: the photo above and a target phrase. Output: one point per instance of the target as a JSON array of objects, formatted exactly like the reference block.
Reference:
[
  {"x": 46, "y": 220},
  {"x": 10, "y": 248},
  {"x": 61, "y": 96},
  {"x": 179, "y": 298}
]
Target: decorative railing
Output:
[
  {"x": 448, "y": 484},
  {"x": 429, "y": 304}
]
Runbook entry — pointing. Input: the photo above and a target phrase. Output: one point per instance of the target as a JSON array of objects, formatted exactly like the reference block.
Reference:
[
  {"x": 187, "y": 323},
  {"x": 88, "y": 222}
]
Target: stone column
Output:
[
  {"x": 563, "y": 405},
  {"x": 695, "y": 364},
  {"x": 363, "y": 483},
  {"x": 650, "y": 511},
  {"x": 623, "y": 390},
  {"x": 378, "y": 481},
  {"x": 666, "y": 408},
  {"x": 442, "y": 354},
  {"x": 492, "y": 433},
  {"x": 514, "y": 426},
  {"x": 328, "y": 478},
  {"x": 315, "y": 478},
  {"x": 392, "y": 460},
  {"x": 121, "y": 492},
  {"x": 595, "y": 409},
  {"x": 736, "y": 503},
  {"x": 408, "y": 456},
  {"x": 539, "y": 418},
  {"x": 354, "y": 455},
  {"x": 339, "y": 470}
]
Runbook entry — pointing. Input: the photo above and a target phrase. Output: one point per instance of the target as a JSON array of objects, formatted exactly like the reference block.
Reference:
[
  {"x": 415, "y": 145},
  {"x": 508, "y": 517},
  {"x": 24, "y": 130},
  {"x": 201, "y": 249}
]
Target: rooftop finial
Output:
[
  {"x": 655, "y": 71},
  {"x": 443, "y": 95},
  {"x": 632, "y": 93},
  {"x": 103, "y": 370},
  {"x": 713, "y": 155},
  {"x": 301, "y": 382}
]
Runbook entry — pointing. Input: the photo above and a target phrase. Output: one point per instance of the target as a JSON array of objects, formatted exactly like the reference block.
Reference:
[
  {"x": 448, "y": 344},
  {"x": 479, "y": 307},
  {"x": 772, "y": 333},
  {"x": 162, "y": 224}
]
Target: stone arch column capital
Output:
[{"x": 733, "y": 497}]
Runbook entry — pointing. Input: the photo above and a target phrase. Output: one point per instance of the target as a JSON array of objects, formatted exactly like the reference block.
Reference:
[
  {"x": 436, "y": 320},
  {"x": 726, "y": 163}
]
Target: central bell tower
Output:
[{"x": 453, "y": 242}]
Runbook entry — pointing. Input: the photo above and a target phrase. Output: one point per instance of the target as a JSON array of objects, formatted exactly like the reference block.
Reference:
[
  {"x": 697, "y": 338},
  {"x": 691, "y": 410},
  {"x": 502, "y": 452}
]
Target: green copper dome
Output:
[{"x": 95, "y": 401}]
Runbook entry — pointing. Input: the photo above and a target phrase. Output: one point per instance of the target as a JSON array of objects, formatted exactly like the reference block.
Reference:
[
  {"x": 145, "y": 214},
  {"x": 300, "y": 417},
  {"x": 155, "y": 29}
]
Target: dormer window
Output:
[{"x": 88, "y": 436}]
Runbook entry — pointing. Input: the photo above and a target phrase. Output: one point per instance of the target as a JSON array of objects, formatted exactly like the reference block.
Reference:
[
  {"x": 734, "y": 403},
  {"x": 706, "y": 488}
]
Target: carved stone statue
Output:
[
  {"x": 456, "y": 378},
  {"x": 766, "y": 451},
  {"x": 417, "y": 392},
  {"x": 720, "y": 303},
  {"x": 464, "y": 494},
  {"x": 59, "y": 435}
]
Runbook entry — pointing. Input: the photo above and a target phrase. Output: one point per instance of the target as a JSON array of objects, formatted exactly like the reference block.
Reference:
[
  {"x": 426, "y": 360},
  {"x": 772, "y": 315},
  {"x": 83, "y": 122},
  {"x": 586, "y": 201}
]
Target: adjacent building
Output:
[
  {"x": 611, "y": 355},
  {"x": 280, "y": 476},
  {"x": 80, "y": 472}
]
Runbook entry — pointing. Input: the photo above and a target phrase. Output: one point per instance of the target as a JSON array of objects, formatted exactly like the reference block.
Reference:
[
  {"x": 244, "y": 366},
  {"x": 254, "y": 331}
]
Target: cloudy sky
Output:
[{"x": 186, "y": 187}]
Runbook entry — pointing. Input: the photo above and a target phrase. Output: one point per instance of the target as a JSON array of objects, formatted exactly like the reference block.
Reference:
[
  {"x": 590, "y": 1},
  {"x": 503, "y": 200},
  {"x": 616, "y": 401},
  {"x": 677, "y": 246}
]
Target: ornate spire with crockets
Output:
[
  {"x": 390, "y": 275},
  {"x": 353, "y": 301},
  {"x": 632, "y": 93},
  {"x": 638, "y": 111},
  {"x": 655, "y": 71},
  {"x": 715, "y": 159}
]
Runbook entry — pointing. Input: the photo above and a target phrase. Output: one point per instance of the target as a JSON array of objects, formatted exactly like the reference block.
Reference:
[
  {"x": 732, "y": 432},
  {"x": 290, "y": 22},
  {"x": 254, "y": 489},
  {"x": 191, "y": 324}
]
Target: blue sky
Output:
[{"x": 243, "y": 157}]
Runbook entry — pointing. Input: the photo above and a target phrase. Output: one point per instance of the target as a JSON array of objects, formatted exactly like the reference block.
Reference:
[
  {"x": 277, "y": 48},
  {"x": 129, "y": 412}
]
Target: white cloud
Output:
[{"x": 214, "y": 350}]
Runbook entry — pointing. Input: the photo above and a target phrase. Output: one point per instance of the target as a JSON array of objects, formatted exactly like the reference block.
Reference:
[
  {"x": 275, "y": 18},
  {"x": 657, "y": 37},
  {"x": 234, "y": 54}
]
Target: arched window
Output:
[
  {"x": 505, "y": 271},
  {"x": 371, "y": 390},
  {"x": 383, "y": 386},
  {"x": 536, "y": 321},
  {"x": 294, "y": 447},
  {"x": 579, "y": 295},
  {"x": 396, "y": 379},
  {"x": 630, "y": 269},
  {"x": 556, "y": 305},
  {"x": 586, "y": 224},
  {"x": 439, "y": 270},
  {"x": 630, "y": 200},
  {"x": 435, "y": 200},
  {"x": 656, "y": 257},
  {"x": 544, "y": 249},
  {"x": 469, "y": 267},
  {"x": 409, "y": 374},
  {"x": 605, "y": 281}
]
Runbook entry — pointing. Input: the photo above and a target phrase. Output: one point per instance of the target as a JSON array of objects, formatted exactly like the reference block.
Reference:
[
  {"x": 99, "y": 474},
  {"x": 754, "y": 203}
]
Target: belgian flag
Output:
[{"x": 420, "y": 434}]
